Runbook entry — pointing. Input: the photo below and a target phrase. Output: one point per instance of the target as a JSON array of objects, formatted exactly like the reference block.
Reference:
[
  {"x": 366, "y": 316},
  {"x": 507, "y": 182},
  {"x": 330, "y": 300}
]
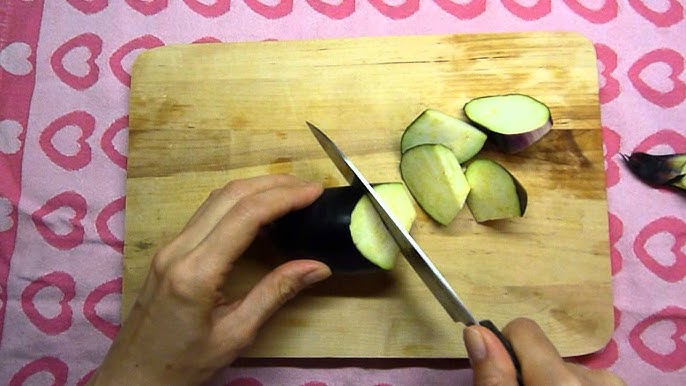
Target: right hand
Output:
[{"x": 540, "y": 361}]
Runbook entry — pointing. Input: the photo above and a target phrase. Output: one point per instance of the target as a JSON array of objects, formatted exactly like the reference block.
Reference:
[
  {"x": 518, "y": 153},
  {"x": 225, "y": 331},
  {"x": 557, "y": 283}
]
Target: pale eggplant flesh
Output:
[{"x": 513, "y": 122}]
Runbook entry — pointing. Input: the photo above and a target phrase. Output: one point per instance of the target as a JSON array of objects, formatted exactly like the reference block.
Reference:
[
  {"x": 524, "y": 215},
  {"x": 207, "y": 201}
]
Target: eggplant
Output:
[
  {"x": 343, "y": 230},
  {"x": 495, "y": 193},
  {"x": 513, "y": 121},
  {"x": 435, "y": 180},
  {"x": 658, "y": 170},
  {"x": 435, "y": 127}
]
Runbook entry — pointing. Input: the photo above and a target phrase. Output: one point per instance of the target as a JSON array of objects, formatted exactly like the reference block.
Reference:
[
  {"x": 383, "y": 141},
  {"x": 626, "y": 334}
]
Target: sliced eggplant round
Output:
[
  {"x": 435, "y": 127},
  {"x": 436, "y": 181},
  {"x": 343, "y": 230},
  {"x": 495, "y": 193},
  {"x": 513, "y": 122}
]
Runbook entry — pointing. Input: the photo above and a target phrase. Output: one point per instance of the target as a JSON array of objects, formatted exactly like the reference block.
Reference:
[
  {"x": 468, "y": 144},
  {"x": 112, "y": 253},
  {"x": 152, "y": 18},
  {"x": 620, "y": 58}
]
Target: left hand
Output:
[{"x": 182, "y": 329}]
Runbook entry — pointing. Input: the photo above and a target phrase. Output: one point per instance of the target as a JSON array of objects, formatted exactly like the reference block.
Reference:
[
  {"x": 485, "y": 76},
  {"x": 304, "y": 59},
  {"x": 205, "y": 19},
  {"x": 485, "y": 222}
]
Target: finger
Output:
[
  {"x": 220, "y": 203},
  {"x": 270, "y": 294},
  {"x": 221, "y": 200},
  {"x": 239, "y": 227},
  {"x": 537, "y": 355},
  {"x": 489, "y": 360}
]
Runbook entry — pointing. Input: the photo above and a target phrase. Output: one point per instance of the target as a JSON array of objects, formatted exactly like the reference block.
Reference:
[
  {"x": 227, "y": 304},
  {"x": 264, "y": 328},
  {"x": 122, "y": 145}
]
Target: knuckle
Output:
[
  {"x": 160, "y": 262},
  {"x": 213, "y": 194},
  {"x": 247, "y": 208},
  {"x": 231, "y": 189},
  {"x": 177, "y": 281}
]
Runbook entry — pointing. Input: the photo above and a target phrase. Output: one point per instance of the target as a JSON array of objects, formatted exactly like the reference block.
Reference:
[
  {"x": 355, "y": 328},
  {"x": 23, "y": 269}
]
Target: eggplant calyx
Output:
[{"x": 656, "y": 169}]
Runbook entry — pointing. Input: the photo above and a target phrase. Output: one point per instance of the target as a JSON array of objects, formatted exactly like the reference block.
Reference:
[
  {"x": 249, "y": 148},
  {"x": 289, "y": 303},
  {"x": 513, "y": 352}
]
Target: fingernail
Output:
[
  {"x": 317, "y": 275},
  {"x": 474, "y": 342}
]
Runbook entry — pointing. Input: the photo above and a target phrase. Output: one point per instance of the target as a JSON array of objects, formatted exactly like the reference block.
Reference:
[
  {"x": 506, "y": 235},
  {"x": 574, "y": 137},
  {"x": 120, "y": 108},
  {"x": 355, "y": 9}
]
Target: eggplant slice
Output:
[
  {"x": 495, "y": 193},
  {"x": 436, "y": 181},
  {"x": 513, "y": 122},
  {"x": 435, "y": 127}
]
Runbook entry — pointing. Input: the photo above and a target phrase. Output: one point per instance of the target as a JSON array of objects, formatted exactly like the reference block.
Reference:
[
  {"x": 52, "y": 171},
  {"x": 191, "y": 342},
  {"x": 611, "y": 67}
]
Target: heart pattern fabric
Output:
[{"x": 65, "y": 71}]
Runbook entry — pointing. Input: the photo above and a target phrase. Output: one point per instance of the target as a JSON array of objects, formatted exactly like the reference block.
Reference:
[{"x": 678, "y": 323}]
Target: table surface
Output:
[{"x": 64, "y": 86}]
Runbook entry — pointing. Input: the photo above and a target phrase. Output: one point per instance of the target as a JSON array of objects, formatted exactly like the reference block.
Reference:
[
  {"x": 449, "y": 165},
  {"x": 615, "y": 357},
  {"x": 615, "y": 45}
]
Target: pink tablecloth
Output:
[{"x": 63, "y": 121}]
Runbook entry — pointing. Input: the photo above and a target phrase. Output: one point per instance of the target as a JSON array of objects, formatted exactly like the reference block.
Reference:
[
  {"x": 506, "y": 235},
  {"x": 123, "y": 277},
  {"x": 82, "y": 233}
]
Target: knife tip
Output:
[{"x": 312, "y": 127}]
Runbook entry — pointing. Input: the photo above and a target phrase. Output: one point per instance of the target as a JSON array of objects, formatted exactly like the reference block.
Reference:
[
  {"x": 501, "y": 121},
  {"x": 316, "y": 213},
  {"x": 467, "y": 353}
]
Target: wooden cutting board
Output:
[{"x": 201, "y": 115}]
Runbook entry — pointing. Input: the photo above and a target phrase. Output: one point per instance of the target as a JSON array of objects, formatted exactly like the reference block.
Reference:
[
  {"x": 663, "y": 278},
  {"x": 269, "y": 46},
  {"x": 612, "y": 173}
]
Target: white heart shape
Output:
[
  {"x": 76, "y": 61},
  {"x": 657, "y": 337},
  {"x": 394, "y": 3},
  {"x": 527, "y": 3},
  {"x": 658, "y": 6},
  {"x": 104, "y": 308},
  {"x": 66, "y": 141},
  {"x": 58, "y": 220},
  {"x": 45, "y": 302},
  {"x": 659, "y": 246},
  {"x": 14, "y": 58},
  {"x": 6, "y": 209},
  {"x": 593, "y": 5},
  {"x": 121, "y": 141},
  {"x": 657, "y": 76},
  {"x": 602, "y": 81},
  {"x": 9, "y": 136}
]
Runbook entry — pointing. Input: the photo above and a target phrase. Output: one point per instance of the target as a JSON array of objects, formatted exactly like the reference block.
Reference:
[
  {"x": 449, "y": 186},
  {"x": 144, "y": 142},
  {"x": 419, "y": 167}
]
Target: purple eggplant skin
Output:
[
  {"x": 513, "y": 143},
  {"x": 521, "y": 193},
  {"x": 656, "y": 169},
  {"x": 321, "y": 231}
]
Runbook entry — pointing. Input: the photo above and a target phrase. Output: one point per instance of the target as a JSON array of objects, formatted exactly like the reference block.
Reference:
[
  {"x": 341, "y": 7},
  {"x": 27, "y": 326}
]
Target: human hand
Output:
[
  {"x": 182, "y": 329},
  {"x": 540, "y": 361}
]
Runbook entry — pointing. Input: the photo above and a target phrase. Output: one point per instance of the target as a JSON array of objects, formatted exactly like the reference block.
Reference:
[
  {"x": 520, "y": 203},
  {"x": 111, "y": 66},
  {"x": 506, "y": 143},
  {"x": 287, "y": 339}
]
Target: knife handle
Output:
[{"x": 508, "y": 346}]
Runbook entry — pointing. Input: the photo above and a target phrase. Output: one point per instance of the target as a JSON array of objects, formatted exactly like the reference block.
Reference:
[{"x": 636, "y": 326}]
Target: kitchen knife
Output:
[{"x": 409, "y": 248}]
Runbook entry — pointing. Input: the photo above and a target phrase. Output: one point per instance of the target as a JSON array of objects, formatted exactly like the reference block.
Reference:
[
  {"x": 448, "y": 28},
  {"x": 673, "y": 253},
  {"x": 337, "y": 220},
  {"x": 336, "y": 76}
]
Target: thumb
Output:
[
  {"x": 275, "y": 289},
  {"x": 490, "y": 361}
]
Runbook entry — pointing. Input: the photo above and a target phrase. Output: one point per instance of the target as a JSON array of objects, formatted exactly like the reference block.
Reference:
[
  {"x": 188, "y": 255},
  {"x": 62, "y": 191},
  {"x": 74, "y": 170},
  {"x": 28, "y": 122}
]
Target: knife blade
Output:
[{"x": 409, "y": 248}]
